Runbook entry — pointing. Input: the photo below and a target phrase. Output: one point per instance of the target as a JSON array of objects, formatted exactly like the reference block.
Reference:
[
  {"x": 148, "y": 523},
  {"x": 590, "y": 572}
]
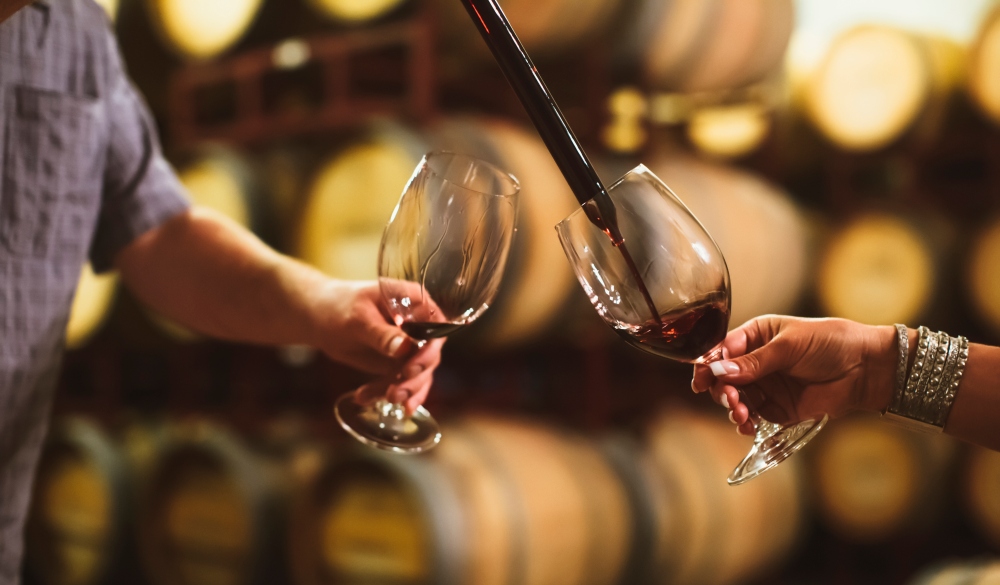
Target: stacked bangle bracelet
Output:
[{"x": 923, "y": 399}]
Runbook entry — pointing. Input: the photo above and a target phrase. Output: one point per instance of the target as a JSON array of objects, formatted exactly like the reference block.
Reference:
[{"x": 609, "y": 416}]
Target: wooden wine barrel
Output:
[
  {"x": 759, "y": 229},
  {"x": 78, "y": 525},
  {"x": 970, "y": 572},
  {"x": 285, "y": 174},
  {"x": 698, "y": 45},
  {"x": 498, "y": 502},
  {"x": 350, "y": 198},
  {"x": 984, "y": 66},
  {"x": 211, "y": 513},
  {"x": 719, "y": 534},
  {"x": 981, "y": 489},
  {"x": 538, "y": 278},
  {"x": 141, "y": 440},
  {"x": 876, "y": 83},
  {"x": 223, "y": 179},
  {"x": 92, "y": 302},
  {"x": 879, "y": 268},
  {"x": 656, "y": 511},
  {"x": 545, "y": 28},
  {"x": 201, "y": 30},
  {"x": 983, "y": 277},
  {"x": 874, "y": 481},
  {"x": 355, "y": 12}
]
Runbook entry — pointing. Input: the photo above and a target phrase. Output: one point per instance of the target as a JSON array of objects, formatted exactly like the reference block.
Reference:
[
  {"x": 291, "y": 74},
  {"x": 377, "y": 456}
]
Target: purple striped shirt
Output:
[{"x": 81, "y": 175}]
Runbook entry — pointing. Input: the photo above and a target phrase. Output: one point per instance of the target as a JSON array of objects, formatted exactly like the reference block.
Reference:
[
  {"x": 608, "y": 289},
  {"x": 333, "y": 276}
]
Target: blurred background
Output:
[{"x": 845, "y": 155}]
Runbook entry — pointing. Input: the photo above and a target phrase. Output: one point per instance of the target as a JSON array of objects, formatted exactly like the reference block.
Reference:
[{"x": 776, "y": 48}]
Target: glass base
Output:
[
  {"x": 772, "y": 445},
  {"x": 385, "y": 426}
]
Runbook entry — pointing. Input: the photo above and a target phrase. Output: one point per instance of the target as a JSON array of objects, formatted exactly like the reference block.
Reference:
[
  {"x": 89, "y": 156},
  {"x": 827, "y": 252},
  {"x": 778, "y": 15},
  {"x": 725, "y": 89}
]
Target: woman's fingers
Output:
[
  {"x": 702, "y": 379},
  {"x": 739, "y": 414}
]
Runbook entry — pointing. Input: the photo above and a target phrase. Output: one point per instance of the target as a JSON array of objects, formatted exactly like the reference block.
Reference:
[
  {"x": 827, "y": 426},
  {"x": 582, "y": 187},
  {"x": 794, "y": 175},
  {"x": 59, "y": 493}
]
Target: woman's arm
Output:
[{"x": 794, "y": 368}]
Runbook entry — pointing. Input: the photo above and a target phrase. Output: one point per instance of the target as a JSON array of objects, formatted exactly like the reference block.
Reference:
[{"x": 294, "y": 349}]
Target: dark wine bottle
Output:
[
  {"x": 552, "y": 127},
  {"x": 545, "y": 114}
]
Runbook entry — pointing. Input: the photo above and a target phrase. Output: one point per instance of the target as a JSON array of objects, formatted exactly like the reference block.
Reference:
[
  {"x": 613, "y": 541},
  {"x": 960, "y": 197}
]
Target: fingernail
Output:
[
  {"x": 693, "y": 389},
  {"x": 725, "y": 401},
  {"x": 731, "y": 417},
  {"x": 412, "y": 371},
  {"x": 395, "y": 344},
  {"x": 721, "y": 368}
]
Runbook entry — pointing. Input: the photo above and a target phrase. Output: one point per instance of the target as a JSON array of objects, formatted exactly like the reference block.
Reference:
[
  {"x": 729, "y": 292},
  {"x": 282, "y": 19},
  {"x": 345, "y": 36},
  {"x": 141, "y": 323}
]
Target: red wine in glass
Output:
[
  {"x": 424, "y": 331},
  {"x": 440, "y": 264},
  {"x": 686, "y": 333},
  {"x": 682, "y": 268}
]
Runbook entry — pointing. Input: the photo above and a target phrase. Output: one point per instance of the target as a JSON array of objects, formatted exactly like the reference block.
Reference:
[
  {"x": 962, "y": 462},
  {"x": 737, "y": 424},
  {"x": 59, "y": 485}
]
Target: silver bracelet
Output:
[
  {"x": 916, "y": 384},
  {"x": 903, "y": 341},
  {"x": 953, "y": 375},
  {"x": 924, "y": 401},
  {"x": 926, "y": 407}
]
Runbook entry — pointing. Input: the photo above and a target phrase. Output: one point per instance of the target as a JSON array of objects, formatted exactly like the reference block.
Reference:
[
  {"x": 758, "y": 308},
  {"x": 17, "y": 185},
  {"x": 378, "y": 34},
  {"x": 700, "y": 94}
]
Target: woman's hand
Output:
[{"x": 792, "y": 369}]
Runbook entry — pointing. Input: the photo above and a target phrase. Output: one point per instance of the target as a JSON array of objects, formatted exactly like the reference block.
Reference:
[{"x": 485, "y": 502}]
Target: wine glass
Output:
[
  {"x": 666, "y": 291},
  {"x": 440, "y": 263}
]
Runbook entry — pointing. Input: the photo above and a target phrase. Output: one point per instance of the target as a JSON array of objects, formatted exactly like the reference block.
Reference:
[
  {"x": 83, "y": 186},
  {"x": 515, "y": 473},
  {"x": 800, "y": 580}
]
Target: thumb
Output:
[
  {"x": 748, "y": 368},
  {"x": 389, "y": 340}
]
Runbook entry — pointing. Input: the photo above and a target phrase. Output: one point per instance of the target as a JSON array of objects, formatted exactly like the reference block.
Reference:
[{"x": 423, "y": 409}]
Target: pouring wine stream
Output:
[{"x": 772, "y": 442}]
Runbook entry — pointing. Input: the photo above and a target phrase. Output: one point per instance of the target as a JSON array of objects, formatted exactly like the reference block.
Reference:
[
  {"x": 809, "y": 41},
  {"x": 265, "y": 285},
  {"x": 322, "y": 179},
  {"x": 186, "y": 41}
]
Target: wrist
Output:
[
  {"x": 310, "y": 292},
  {"x": 881, "y": 359}
]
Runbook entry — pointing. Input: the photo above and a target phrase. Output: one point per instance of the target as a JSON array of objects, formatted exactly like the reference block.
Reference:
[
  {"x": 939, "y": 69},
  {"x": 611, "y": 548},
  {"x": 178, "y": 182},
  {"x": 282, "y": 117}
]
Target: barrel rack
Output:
[{"x": 341, "y": 77}]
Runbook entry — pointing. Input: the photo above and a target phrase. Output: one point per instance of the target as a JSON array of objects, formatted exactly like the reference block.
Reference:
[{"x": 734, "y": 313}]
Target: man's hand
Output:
[
  {"x": 206, "y": 272},
  {"x": 354, "y": 329}
]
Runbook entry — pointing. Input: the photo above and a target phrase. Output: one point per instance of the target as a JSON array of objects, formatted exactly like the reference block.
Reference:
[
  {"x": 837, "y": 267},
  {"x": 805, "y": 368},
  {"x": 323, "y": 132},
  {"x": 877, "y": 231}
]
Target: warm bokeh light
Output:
[
  {"x": 94, "y": 297},
  {"x": 819, "y": 21},
  {"x": 200, "y": 29},
  {"x": 355, "y": 11}
]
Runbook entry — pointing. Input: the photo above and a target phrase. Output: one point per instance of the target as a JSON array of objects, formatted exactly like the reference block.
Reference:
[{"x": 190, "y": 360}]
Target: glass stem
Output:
[{"x": 763, "y": 429}]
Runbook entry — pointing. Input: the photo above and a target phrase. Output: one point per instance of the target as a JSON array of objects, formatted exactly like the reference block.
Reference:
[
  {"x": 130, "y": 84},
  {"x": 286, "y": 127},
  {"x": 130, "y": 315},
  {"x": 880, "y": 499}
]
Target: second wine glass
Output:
[
  {"x": 666, "y": 291},
  {"x": 440, "y": 264}
]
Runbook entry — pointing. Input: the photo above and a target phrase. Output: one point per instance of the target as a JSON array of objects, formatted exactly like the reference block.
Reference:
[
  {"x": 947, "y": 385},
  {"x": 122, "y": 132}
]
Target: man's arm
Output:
[
  {"x": 9, "y": 7},
  {"x": 206, "y": 272}
]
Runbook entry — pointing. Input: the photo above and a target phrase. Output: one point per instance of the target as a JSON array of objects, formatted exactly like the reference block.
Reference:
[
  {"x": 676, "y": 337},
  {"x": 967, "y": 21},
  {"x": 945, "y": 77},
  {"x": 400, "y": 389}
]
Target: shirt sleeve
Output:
[{"x": 140, "y": 188}]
